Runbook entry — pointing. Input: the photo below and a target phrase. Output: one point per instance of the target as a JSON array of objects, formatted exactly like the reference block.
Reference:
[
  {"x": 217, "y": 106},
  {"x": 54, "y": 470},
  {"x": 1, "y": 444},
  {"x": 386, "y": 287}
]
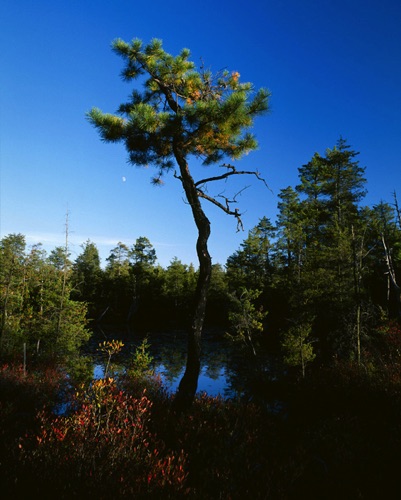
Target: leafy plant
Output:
[
  {"x": 110, "y": 348},
  {"x": 246, "y": 320},
  {"x": 142, "y": 360},
  {"x": 298, "y": 349},
  {"x": 104, "y": 447}
]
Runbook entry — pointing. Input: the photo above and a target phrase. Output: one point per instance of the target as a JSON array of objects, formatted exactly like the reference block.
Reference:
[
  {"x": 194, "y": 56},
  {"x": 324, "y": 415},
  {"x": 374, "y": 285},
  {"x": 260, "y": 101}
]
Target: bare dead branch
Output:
[
  {"x": 389, "y": 264},
  {"x": 232, "y": 171},
  {"x": 226, "y": 208},
  {"x": 397, "y": 209},
  {"x": 228, "y": 202},
  {"x": 176, "y": 176}
]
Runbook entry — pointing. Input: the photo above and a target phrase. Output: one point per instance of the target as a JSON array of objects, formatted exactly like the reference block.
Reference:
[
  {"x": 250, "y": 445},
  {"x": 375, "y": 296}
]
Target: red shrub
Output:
[{"x": 103, "y": 447}]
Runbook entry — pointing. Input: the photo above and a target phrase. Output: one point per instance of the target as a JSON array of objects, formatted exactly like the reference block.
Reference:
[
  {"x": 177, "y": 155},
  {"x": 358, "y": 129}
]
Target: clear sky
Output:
[{"x": 333, "y": 67}]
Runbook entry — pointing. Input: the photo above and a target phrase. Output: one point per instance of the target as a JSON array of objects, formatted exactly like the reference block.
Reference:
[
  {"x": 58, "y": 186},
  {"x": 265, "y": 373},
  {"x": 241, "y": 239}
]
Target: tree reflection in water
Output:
[{"x": 227, "y": 368}]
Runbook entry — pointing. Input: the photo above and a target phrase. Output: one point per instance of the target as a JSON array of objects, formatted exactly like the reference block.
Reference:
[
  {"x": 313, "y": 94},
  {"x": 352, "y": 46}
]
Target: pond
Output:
[{"x": 228, "y": 368}]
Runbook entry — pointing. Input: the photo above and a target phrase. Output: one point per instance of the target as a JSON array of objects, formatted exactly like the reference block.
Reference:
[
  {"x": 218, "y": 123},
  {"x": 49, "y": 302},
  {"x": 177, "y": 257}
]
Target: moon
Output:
[{"x": 123, "y": 178}]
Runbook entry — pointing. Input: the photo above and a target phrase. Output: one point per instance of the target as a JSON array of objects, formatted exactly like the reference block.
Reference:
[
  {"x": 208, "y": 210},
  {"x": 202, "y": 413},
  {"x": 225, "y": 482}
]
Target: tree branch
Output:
[
  {"x": 397, "y": 209},
  {"x": 389, "y": 263},
  {"x": 226, "y": 208},
  {"x": 232, "y": 171}
]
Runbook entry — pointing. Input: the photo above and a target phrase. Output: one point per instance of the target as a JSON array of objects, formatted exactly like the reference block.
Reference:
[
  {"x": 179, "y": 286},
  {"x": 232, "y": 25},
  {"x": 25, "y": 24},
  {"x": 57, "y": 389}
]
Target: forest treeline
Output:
[{"x": 322, "y": 280}]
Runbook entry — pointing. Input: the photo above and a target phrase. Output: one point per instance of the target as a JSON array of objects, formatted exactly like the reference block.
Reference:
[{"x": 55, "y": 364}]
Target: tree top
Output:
[{"x": 178, "y": 107}]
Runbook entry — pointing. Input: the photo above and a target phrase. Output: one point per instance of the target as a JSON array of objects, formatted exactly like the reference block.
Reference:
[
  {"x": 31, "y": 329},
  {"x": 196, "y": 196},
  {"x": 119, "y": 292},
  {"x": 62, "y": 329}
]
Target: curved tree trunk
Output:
[{"x": 189, "y": 382}]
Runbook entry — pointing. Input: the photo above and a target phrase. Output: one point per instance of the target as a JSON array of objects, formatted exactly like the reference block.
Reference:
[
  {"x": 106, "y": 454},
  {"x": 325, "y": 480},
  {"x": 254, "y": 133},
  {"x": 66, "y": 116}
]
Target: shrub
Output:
[{"x": 103, "y": 448}]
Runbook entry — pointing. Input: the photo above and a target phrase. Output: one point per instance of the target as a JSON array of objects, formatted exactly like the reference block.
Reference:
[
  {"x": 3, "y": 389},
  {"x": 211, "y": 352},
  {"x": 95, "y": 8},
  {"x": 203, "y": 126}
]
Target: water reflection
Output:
[
  {"x": 226, "y": 368},
  {"x": 214, "y": 385}
]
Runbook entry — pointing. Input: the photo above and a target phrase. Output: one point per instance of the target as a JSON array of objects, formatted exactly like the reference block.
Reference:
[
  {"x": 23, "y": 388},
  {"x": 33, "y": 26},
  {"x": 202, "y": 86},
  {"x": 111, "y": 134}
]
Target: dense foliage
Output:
[{"x": 38, "y": 314}]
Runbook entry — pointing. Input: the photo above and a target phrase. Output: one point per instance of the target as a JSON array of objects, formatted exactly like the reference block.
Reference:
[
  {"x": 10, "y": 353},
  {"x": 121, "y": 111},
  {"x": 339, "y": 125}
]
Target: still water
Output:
[{"x": 227, "y": 368}]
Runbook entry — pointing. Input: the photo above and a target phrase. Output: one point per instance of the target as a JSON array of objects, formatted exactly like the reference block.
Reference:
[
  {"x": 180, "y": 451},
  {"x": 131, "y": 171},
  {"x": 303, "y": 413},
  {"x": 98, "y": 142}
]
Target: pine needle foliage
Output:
[{"x": 202, "y": 114}]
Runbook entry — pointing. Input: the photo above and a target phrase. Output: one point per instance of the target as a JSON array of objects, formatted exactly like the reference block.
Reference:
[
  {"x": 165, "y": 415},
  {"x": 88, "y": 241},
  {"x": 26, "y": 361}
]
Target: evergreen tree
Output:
[
  {"x": 289, "y": 258},
  {"x": 297, "y": 346},
  {"x": 290, "y": 234},
  {"x": 12, "y": 277},
  {"x": 344, "y": 184},
  {"x": 147, "y": 282},
  {"x": 87, "y": 277},
  {"x": 316, "y": 239},
  {"x": 37, "y": 308},
  {"x": 217, "y": 305},
  {"x": 246, "y": 318},
  {"x": 344, "y": 189},
  {"x": 142, "y": 258},
  {"x": 182, "y": 114},
  {"x": 118, "y": 262},
  {"x": 56, "y": 325},
  {"x": 179, "y": 284},
  {"x": 249, "y": 267},
  {"x": 119, "y": 285},
  {"x": 143, "y": 253},
  {"x": 59, "y": 258}
]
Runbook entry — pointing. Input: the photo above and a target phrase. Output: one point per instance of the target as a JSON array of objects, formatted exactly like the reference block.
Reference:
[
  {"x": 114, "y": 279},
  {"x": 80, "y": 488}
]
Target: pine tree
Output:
[
  {"x": 142, "y": 253},
  {"x": 178, "y": 285},
  {"x": 87, "y": 277},
  {"x": 12, "y": 278},
  {"x": 289, "y": 260},
  {"x": 344, "y": 184},
  {"x": 317, "y": 233},
  {"x": 119, "y": 284},
  {"x": 297, "y": 346},
  {"x": 249, "y": 266},
  {"x": 37, "y": 309},
  {"x": 143, "y": 258},
  {"x": 184, "y": 114},
  {"x": 291, "y": 235}
]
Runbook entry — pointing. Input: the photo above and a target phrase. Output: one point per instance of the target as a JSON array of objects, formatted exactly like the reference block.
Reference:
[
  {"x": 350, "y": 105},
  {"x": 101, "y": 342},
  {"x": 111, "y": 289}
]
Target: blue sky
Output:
[{"x": 333, "y": 67}]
